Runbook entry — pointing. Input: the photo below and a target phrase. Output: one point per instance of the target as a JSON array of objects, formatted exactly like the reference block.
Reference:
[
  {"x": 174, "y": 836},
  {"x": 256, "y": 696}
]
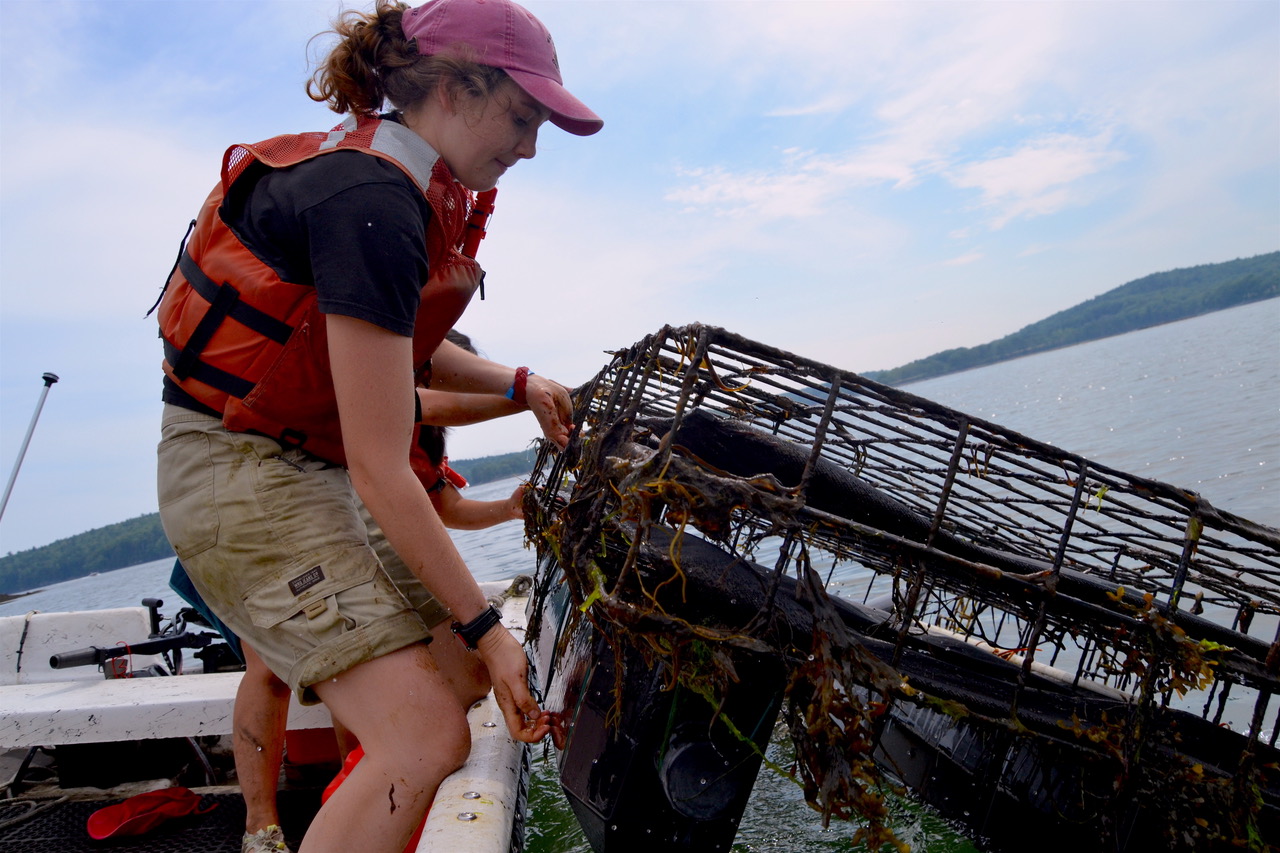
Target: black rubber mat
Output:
[{"x": 61, "y": 829}]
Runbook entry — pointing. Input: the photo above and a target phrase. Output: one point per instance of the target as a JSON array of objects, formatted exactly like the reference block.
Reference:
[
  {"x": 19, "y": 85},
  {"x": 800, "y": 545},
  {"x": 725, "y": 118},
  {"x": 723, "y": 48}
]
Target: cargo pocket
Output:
[
  {"x": 311, "y": 593},
  {"x": 184, "y": 484}
]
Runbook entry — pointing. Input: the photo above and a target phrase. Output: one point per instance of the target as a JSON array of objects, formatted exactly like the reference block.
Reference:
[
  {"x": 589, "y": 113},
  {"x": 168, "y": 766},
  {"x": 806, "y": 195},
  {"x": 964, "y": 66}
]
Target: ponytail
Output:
[
  {"x": 373, "y": 63},
  {"x": 350, "y": 78}
]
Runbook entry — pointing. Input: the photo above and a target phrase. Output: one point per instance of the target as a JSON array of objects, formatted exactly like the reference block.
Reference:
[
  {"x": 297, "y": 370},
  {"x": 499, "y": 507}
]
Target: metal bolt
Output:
[
  {"x": 471, "y": 795},
  {"x": 467, "y": 815}
]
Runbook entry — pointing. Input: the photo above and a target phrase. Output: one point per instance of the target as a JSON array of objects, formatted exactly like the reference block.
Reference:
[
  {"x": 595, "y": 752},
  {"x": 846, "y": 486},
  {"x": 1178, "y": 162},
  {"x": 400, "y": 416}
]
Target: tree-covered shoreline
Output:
[{"x": 1153, "y": 300}]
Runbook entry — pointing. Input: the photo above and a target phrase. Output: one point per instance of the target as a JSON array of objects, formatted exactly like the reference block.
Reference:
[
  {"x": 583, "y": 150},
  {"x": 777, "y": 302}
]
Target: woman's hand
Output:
[
  {"x": 509, "y": 672},
  {"x": 514, "y": 505},
  {"x": 550, "y": 404}
]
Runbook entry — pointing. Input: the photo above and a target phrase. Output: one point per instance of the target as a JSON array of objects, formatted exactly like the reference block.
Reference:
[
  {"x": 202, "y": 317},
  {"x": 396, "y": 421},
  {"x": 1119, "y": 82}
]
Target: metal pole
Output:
[{"x": 49, "y": 379}]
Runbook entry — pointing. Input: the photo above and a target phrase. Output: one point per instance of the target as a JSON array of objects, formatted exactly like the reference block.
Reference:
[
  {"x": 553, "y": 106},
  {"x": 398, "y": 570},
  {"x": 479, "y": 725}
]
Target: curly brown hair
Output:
[{"x": 373, "y": 63}]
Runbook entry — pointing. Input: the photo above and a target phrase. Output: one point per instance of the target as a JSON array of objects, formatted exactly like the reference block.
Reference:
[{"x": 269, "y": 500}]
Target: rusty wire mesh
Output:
[{"x": 1123, "y": 586}]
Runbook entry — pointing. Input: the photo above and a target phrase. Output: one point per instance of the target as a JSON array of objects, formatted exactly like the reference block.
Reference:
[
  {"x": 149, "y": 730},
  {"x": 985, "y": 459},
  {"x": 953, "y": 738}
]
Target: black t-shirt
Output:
[
  {"x": 351, "y": 224},
  {"x": 348, "y": 223}
]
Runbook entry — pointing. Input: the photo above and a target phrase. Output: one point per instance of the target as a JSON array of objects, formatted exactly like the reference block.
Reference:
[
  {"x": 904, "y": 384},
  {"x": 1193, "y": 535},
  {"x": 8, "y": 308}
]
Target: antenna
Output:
[{"x": 49, "y": 379}]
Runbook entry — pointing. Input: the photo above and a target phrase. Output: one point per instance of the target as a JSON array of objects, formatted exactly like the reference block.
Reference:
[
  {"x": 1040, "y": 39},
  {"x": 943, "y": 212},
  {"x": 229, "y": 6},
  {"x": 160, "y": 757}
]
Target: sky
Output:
[{"x": 863, "y": 183}]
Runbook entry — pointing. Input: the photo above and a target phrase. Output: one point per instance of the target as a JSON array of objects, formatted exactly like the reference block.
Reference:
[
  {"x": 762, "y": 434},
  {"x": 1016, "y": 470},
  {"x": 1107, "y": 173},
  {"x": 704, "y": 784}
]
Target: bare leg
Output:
[
  {"x": 259, "y": 719},
  {"x": 467, "y": 677},
  {"x": 414, "y": 733}
]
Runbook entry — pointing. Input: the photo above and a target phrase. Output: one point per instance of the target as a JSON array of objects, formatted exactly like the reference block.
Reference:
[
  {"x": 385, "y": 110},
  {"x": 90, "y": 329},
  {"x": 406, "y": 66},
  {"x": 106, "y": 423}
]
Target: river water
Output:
[{"x": 1194, "y": 403}]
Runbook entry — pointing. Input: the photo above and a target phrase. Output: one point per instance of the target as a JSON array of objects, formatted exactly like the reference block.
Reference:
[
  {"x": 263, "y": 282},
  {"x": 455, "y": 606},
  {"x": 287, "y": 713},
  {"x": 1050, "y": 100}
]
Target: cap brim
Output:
[{"x": 567, "y": 112}]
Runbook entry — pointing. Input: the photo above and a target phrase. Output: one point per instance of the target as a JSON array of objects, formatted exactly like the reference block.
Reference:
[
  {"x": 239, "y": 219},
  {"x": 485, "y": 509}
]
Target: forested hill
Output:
[
  {"x": 141, "y": 539},
  {"x": 1150, "y": 301}
]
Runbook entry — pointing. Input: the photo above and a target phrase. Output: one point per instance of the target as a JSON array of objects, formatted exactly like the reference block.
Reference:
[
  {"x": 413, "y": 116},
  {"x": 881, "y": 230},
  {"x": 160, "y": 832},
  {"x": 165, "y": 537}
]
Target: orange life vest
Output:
[
  {"x": 436, "y": 478},
  {"x": 243, "y": 342}
]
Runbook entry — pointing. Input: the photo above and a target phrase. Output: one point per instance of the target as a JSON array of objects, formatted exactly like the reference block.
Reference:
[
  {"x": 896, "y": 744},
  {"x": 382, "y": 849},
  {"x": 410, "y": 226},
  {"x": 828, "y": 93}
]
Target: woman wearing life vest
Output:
[{"x": 311, "y": 299}]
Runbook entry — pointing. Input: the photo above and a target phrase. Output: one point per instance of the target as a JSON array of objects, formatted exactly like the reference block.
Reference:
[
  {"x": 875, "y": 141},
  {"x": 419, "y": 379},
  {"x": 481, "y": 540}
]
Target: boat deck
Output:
[{"x": 61, "y": 828}]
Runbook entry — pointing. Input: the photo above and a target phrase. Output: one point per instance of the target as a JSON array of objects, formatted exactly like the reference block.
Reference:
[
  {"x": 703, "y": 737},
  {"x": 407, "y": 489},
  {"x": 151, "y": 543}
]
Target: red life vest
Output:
[
  {"x": 435, "y": 478},
  {"x": 245, "y": 343}
]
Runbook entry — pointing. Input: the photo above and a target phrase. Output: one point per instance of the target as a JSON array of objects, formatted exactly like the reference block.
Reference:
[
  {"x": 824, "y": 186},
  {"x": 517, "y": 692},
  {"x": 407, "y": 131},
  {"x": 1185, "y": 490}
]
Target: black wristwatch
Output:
[{"x": 471, "y": 632}]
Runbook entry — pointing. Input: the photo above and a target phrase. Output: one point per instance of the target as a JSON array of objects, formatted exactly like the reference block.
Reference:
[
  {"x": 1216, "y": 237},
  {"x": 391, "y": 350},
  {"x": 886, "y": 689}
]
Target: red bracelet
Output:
[{"x": 518, "y": 386}]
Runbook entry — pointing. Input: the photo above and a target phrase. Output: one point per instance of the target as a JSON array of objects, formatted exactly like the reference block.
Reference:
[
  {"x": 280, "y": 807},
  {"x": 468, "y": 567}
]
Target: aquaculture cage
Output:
[{"x": 1028, "y": 640}]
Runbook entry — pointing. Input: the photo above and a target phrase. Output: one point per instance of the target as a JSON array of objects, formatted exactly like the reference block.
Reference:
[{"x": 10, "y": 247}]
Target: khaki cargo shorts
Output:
[{"x": 284, "y": 551}]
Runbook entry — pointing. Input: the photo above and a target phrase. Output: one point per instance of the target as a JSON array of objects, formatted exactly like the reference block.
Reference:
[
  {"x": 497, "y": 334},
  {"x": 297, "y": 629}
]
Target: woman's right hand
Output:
[
  {"x": 509, "y": 672},
  {"x": 550, "y": 403}
]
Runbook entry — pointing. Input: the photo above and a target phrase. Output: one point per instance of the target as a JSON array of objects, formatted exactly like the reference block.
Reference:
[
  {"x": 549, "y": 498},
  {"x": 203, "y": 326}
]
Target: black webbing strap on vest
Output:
[
  {"x": 182, "y": 250},
  {"x": 224, "y": 301},
  {"x": 227, "y": 383}
]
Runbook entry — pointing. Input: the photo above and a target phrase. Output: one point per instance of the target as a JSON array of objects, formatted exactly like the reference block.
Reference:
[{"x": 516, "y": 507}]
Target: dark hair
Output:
[
  {"x": 457, "y": 338},
  {"x": 431, "y": 437},
  {"x": 374, "y": 63}
]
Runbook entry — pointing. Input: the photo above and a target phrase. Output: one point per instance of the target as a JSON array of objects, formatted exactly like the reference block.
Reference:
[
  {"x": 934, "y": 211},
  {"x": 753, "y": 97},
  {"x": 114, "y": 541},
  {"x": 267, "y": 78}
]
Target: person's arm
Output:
[
  {"x": 373, "y": 378},
  {"x": 455, "y": 369},
  {"x": 451, "y": 408},
  {"x": 461, "y": 513}
]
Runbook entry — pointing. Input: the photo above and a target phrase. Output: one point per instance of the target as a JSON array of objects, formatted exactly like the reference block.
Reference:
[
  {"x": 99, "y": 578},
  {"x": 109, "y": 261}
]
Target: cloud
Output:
[
  {"x": 1010, "y": 101},
  {"x": 116, "y": 225},
  {"x": 962, "y": 260},
  {"x": 830, "y": 103},
  {"x": 798, "y": 193},
  {"x": 912, "y": 123},
  {"x": 1037, "y": 178}
]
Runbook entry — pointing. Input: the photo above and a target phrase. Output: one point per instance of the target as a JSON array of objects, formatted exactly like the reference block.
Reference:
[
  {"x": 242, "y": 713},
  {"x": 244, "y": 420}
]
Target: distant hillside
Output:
[
  {"x": 486, "y": 469},
  {"x": 141, "y": 539},
  {"x": 126, "y": 543},
  {"x": 1150, "y": 301}
]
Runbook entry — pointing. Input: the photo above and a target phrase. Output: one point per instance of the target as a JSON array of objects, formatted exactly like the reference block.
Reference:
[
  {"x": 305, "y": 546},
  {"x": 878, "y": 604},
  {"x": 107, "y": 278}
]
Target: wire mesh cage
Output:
[{"x": 1136, "y": 598}]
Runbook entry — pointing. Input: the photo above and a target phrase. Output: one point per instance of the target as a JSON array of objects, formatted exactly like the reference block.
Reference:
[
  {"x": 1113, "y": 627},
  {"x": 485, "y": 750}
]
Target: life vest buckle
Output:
[{"x": 292, "y": 439}]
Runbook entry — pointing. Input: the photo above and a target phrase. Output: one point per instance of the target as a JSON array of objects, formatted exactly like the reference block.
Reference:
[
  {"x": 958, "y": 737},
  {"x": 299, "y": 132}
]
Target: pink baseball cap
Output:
[{"x": 503, "y": 35}]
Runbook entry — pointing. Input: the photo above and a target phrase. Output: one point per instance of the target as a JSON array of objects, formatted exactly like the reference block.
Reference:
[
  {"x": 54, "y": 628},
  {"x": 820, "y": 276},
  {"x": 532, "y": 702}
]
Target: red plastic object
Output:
[
  {"x": 142, "y": 813},
  {"x": 311, "y": 746},
  {"x": 477, "y": 221}
]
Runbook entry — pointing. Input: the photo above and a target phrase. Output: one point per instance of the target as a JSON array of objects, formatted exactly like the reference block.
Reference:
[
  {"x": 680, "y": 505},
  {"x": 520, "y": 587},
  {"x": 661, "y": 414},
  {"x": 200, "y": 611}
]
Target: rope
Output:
[{"x": 35, "y": 807}]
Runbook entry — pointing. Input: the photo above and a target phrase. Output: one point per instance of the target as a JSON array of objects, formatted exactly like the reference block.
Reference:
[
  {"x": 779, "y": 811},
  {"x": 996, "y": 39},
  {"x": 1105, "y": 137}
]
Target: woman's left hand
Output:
[
  {"x": 550, "y": 404},
  {"x": 514, "y": 506}
]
